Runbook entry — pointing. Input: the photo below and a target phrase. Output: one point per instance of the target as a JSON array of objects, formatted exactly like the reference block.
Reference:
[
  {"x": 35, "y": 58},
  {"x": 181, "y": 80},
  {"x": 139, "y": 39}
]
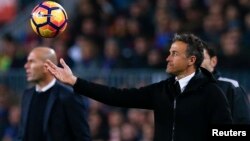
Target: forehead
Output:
[
  {"x": 205, "y": 53},
  {"x": 34, "y": 55},
  {"x": 178, "y": 46}
]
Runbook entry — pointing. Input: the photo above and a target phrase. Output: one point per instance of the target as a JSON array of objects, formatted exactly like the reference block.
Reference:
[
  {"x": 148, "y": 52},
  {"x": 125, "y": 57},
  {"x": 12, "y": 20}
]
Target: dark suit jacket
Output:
[
  {"x": 183, "y": 117},
  {"x": 237, "y": 99},
  {"x": 64, "y": 118}
]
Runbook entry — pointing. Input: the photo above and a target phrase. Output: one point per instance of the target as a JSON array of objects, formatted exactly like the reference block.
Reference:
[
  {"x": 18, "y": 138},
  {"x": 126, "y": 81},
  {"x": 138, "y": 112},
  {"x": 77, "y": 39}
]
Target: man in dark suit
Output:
[
  {"x": 47, "y": 108},
  {"x": 235, "y": 94},
  {"x": 182, "y": 112}
]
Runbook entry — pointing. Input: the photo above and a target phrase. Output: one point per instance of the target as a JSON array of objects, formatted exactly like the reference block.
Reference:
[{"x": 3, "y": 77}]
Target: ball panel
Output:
[
  {"x": 47, "y": 31},
  {"x": 40, "y": 15},
  {"x": 57, "y": 17},
  {"x": 33, "y": 27},
  {"x": 63, "y": 27},
  {"x": 51, "y": 4}
]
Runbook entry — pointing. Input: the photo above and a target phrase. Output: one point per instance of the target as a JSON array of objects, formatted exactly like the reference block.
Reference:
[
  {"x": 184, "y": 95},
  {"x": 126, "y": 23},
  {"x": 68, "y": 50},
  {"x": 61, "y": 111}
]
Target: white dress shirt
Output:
[
  {"x": 184, "y": 81},
  {"x": 45, "y": 88}
]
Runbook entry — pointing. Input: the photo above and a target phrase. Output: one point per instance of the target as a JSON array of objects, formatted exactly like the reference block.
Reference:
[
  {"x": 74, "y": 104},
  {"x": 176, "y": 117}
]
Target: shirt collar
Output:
[
  {"x": 184, "y": 81},
  {"x": 48, "y": 86}
]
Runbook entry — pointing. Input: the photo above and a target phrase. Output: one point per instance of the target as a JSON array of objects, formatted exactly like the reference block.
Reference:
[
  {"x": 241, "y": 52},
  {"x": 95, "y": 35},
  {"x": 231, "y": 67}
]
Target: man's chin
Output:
[
  {"x": 170, "y": 71},
  {"x": 30, "y": 80}
]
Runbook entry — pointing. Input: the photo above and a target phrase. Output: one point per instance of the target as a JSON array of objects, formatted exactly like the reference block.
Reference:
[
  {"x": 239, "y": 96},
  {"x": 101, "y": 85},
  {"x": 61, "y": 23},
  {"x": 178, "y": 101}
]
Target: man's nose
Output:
[
  {"x": 168, "y": 58},
  {"x": 25, "y": 65}
]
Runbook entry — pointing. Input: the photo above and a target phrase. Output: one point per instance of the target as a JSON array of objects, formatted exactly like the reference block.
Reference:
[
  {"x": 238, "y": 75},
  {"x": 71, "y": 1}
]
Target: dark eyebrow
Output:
[{"x": 173, "y": 51}]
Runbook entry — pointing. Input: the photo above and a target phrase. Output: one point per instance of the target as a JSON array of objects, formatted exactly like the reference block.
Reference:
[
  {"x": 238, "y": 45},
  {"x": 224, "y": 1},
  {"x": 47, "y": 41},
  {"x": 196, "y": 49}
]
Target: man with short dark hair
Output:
[
  {"x": 235, "y": 94},
  {"x": 184, "y": 105}
]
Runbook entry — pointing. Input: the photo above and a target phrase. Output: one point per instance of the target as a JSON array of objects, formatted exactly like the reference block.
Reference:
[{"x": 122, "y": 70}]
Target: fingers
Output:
[
  {"x": 51, "y": 70},
  {"x": 49, "y": 65},
  {"x": 64, "y": 64}
]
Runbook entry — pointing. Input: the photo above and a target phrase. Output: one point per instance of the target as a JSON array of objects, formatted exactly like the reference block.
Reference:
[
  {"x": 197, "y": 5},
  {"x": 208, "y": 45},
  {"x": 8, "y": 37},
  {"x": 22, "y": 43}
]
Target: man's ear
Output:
[
  {"x": 192, "y": 60},
  {"x": 44, "y": 68},
  {"x": 214, "y": 61}
]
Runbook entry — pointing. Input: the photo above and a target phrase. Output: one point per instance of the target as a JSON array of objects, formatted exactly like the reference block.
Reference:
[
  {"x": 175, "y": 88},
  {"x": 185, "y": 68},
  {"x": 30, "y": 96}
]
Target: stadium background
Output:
[{"x": 122, "y": 43}]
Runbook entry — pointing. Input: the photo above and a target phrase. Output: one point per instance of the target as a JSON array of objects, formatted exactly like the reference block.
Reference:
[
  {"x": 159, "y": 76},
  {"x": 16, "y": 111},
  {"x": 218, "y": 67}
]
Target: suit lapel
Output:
[
  {"x": 26, "y": 106},
  {"x": 50, "y": 103}
]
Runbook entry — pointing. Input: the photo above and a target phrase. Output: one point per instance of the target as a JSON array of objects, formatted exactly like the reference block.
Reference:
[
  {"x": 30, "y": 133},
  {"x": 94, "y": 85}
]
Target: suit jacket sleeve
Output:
[
  {"x": 128, "y": 98},
  {"x": 77, "y": 117}
]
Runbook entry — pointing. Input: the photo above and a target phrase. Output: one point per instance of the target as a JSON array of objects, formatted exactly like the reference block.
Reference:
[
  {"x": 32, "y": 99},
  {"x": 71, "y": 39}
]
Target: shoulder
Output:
[
  {"x": 225, "y": 85},
  {"x": 28, "y": 90},
  {"x": 232, "y": 81},
  {"x": 63, "y": 90},
  {"x": 214, "y": 93},
  {"x": 66, "y": 93},
  {"x": 212, "y": 89},
  {"x": 212, "y": 86}
]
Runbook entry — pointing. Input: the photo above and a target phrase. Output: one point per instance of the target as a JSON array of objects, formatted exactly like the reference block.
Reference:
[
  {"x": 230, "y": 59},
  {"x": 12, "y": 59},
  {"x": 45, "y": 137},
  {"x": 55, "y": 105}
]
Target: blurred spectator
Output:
[
  {"x": 61, "y": 51},
  {"x": 74, "y": 51},
  {"x": 147, "y": 132},
  {"x": 141, "y": 10},
  {"x": 86, "y": 9},
  {"x": 111, "y": 58},
  {"x": 230, "y": 42},
  {"x": 89, "y": 29},
  {"x": 231, "y": 51},
  {"x": 8, "y": 11},
  {"x": 89, "y": 55},
  {"x": 213, "y": 25},
  {"x": 115, "y": 120},
  {"x": 4, "y": 107},
  {"x": 107, "y": 10},
  {"x": 193, "y": 19},
  {"x": 232, "y": 16},
  {"x": 118, "y": 30},
  {"x": 163, "y": 34},
  {"x": 129, "y": 132},
  {"x": 155, "y": 58},
  {"x": 137, "y": 117},
  {"x": 141, "y": 48},
  {"x": 98, "y": 129},
  {"x": 134, "y": 28},
  {"x": 11, "y": 131},
  {"x": 7, "y": 52}
]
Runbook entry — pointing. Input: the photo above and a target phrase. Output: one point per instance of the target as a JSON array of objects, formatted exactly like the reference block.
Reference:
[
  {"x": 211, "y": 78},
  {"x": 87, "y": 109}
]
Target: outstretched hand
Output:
[{"x": 63, "y": 74}]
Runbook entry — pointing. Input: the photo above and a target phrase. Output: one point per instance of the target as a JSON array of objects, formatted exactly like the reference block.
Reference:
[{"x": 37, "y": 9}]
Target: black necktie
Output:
[{"x": 177, "y": 87}]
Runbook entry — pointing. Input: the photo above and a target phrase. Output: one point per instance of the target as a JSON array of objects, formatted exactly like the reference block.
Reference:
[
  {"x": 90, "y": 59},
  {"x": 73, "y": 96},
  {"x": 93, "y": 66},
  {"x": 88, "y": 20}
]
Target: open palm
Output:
[{"x": 63, "y": 74}]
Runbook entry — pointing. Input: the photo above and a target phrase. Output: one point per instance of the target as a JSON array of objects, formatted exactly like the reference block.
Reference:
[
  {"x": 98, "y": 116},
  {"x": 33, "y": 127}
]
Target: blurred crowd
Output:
[{"x": 110, "y": 34}]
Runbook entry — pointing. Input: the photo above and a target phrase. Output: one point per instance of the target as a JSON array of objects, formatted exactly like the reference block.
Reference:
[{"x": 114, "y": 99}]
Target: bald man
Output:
[{"x": 48, "y": 106}]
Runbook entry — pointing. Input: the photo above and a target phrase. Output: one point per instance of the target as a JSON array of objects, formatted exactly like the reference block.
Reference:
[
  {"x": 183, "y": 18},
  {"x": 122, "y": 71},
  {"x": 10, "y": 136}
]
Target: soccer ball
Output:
[{"x": 48, "y": 19}]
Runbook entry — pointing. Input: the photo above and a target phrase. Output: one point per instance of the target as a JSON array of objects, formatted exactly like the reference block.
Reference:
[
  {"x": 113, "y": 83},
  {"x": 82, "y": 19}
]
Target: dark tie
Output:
[{"x": 177, "y": 87}]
